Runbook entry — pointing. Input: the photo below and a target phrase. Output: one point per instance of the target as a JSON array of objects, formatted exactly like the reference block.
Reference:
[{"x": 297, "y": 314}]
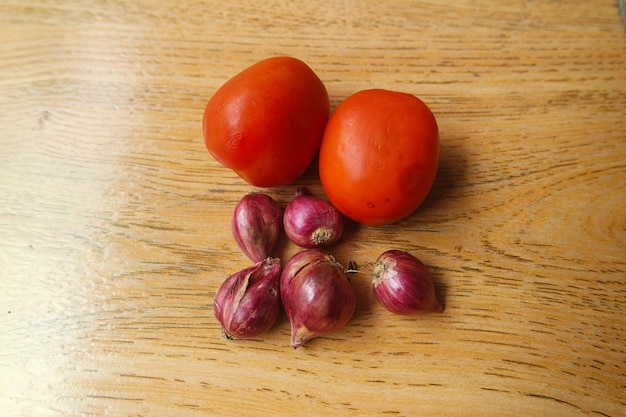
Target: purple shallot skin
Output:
[
  {"x": 256, "y": 225},
  {"x": 311, "y": 222},
  {"x": 403, "y": 285},
  {"x": 316, "y": 294},
  {"x": 248, "y": 302}
]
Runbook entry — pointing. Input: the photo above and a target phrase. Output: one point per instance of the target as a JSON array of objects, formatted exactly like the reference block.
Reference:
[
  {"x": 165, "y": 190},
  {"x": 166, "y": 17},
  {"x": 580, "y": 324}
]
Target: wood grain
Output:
[{"x": 114, "y": 220}]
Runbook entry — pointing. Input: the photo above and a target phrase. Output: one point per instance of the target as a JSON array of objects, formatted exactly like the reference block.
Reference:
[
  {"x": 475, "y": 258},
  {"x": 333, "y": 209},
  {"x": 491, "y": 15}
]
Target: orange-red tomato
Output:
[
  {"x": 379, "y": 156},
  {"x": 266, "y": 123}
]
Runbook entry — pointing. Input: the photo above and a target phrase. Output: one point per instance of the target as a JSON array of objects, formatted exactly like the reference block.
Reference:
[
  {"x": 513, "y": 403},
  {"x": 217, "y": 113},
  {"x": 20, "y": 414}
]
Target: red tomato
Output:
[
  {"x": 266, "y": 123},
  {"x": 379, "y": 156}
]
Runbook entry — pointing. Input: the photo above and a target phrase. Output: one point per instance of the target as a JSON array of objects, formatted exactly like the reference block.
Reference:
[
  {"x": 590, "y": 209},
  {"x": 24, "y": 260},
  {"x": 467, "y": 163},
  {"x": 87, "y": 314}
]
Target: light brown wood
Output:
[{"x": 114, "y": 219}]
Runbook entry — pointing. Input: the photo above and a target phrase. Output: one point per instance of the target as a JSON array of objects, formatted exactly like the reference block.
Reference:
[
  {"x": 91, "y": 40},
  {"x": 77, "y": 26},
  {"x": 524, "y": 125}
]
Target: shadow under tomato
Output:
[
  {"x": 447, "y": 189},
  {"x": 453, "y": 165}
]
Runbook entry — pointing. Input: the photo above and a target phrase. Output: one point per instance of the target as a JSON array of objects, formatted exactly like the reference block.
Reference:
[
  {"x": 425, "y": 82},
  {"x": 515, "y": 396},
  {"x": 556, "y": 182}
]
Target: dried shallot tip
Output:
[
  {"x": 316, "y": 294},
  {"x": 352, "y": 268},
  {"x": 256, "y": 224},
  {"x": 311, "y": 222},
  {"x": 403, "y": 285},
  {"x": 248, "y": 302}
]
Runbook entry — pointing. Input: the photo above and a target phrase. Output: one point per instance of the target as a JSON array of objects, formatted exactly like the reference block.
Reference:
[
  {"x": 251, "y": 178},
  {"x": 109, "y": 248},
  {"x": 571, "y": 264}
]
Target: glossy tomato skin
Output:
[
  {"x": 379, "y": 156},
  {"x": 266, "y": 123}
]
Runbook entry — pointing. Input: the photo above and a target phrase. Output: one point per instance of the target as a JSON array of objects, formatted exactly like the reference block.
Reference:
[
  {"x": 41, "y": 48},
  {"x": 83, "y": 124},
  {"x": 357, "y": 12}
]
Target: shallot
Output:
[
  {"x": 256, "y": 225},
  {"x": 248, "y": 302},
  {"x": 316, "y": 294},
  {"x": 403, "y": 285},
  {"x": 311, "y": 222}
]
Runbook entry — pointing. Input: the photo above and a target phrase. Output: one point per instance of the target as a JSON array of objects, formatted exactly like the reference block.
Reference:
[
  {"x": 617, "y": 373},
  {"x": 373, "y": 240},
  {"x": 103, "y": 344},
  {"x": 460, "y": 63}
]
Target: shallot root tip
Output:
[{"x": 300, "y": 337}]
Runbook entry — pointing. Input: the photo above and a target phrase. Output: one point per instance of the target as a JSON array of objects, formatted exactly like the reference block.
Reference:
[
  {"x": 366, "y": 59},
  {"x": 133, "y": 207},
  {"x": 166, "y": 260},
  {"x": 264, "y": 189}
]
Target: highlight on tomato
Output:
[
  {"x": 379, "y": 156},
  {"x": 266, "y": 123}
]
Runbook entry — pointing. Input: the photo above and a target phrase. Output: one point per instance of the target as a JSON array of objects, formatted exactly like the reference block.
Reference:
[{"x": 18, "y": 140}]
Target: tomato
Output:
[
  {"x": 379, "y": 156},
  {"x": 266, "y": 123}
]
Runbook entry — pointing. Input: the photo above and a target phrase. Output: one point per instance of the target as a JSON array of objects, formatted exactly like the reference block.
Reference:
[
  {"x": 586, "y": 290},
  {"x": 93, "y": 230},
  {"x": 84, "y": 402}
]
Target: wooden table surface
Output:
[{"x": 114, "y": 219}]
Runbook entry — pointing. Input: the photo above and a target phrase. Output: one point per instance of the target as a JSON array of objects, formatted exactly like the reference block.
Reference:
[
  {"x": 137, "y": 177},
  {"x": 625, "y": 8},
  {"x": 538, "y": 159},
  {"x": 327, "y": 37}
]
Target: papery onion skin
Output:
[
  {"x": 311, "y": 222},
  {"x": 256, "y": 224},
  {"x": 403, "y": 285},
  {"x": 248, "y": 302},
  {"x": 316, "y": 294}
]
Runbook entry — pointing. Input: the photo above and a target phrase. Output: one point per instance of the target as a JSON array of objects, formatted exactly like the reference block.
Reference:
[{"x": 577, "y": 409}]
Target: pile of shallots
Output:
[{"x": 313, "y": 287}]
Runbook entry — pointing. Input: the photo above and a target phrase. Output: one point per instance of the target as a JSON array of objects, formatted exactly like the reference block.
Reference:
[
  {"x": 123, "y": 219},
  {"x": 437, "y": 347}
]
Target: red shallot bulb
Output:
[
  {"x": 403, "y": 285},
  {"x": 311, "y": 222},
  {"x": 248, "y": 302},
  {"x": 317, "y": 296},
  {"x": 256, "y": 225}
]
